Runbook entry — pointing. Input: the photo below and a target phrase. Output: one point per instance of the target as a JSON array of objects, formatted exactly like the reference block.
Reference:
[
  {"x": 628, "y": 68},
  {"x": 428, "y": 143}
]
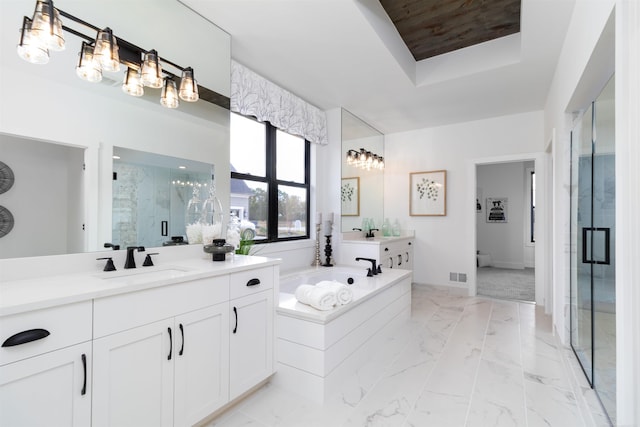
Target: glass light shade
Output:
[
  {"x": 88, "y": 68},
  {"x": 132, "y": 83},
  {"x": 106, "y": 50},
  {"x": 31, "y": 48},
  {"x": 169, "y": 94},
  {"x": 188, "y": 86},
  {"x": 151, "y": 70},
  {"x": 50, "y": 35}
]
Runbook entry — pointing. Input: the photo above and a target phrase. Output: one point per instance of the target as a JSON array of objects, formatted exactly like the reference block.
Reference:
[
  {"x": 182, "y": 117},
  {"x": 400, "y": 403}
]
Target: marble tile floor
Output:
[{"x": 460, "y": 361}]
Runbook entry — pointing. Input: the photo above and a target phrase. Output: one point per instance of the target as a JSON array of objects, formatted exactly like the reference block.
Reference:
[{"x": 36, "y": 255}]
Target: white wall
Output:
[
  {"x": 503, "y": 241},
  {"x": 444, "y": 244}
]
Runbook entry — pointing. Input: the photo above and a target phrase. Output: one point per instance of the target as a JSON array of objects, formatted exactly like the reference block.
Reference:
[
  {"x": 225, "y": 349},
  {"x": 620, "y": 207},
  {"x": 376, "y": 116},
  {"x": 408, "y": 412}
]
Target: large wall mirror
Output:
[
  {"x": 362, "y": 190},
  {"x": 81, "y": 124}
]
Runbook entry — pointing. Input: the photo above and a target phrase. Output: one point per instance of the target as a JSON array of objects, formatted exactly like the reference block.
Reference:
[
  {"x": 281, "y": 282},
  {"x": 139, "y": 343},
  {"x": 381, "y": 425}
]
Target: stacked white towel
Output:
[
  {"x": 319, "y": 298},
  {"x": 343, "y": 293}
]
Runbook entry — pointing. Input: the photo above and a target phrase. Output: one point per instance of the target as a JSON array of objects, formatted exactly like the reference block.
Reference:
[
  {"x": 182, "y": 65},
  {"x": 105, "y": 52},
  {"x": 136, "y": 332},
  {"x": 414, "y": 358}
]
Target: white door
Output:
[
  {"x": 133, "y": 377},
  {"x": 52, "y": 389},
  {"x": 202, "y": 363},
  {"x": 251, "y": 341}
]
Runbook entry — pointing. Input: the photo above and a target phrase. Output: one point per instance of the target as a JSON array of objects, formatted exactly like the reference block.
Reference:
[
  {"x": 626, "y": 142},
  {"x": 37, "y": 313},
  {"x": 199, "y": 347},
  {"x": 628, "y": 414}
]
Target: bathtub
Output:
[{"x": 316, "y": 350}]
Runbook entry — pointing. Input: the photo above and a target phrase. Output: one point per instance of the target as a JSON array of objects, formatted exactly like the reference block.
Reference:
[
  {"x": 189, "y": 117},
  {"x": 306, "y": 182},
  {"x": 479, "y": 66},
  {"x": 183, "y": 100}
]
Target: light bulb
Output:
[
  {"x": 151, "y": 70},
  {"x": 88, "y": 68}
]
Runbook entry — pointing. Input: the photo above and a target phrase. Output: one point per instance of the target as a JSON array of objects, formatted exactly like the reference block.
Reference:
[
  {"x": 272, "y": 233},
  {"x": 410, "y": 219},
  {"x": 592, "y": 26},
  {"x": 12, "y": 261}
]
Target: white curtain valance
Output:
[{"x": 253, "y": 95}]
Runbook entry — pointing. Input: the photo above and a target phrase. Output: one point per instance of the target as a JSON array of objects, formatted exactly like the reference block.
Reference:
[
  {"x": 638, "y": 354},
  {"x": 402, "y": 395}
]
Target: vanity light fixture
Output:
[
  {"x": 151, "y": 70},
  {"x": 47, "y": 26},
  {"x": 169, "y": 96},
  {"x": 365, "y": 159},
  {"x": 88, "y": 68},
  {"x": 30, "y": 48},
  {"x": 188, "y": 86},
  {"x": 106, "y": 50},
  {"x": 43, "y": 32},
  {"x": 132, "y": 83}
]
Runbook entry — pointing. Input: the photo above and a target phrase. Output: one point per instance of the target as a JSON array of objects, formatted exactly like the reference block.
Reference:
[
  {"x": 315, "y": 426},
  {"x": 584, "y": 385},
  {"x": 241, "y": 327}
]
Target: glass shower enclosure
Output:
[{"x": 592, "y": 291}]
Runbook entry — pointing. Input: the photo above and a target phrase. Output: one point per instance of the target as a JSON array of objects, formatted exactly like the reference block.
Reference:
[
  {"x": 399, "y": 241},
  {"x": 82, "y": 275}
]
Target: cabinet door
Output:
[
  {"x": 251, "y": 341},
  {"x": 201, "y": 363},
  {"x": 133, "y": 377},
  {"x": 48, "y": 390}
]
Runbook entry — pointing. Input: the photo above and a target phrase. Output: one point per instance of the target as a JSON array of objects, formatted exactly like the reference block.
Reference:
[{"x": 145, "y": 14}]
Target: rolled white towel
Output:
[
  {"x": 319, "y": 298},
  {"x": 343, "y": 293}
]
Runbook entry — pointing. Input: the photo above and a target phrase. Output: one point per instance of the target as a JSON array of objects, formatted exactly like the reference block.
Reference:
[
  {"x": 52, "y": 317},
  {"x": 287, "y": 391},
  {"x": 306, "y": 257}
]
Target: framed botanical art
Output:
[
  {"x": 350, "y": 196},
  {"x": 428, "y": 193}
]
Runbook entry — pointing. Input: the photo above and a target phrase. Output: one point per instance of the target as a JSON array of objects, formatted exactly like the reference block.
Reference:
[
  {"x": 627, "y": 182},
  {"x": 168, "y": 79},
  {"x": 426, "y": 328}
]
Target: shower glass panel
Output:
[
  {"x": 581, "y": 292},
  {"x": 593, "y": 255}
]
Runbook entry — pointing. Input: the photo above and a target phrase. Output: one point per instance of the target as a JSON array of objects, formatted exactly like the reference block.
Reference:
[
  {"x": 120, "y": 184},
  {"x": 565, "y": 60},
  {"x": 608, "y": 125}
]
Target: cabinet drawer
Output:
[
  {"x": 126, "y": 311},
  {"x": 251, "y": 281},
  {"x": 66, "y": 325}
]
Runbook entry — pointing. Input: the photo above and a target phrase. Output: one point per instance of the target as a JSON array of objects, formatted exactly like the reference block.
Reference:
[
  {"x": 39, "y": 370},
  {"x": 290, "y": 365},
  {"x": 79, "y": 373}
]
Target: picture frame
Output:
[
  {"x": 428, "y": 193},
  {"x": 497, "y": 209},
  {"x": 479, "y": 201},
  {"x": 350, "y": 196}
]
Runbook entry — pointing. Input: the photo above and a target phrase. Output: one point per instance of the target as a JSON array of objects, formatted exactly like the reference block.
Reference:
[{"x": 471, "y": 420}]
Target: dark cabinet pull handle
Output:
[
  {"x": 164, "y": 228},
  {"x": 407, "y": 253},
  {"x": 253, "y": 282},
  {"x": 235, "y": 328},
  {"x": 386, "y": 249},
  {"x": 390, "y": 262},
  {"x": 25, "y": 337},
  {"x": 170, "y": 344},
  {"x": 182, "y": 346},
  {"x": 84, "y": 368},
  {"x": 399, "y": 259}
]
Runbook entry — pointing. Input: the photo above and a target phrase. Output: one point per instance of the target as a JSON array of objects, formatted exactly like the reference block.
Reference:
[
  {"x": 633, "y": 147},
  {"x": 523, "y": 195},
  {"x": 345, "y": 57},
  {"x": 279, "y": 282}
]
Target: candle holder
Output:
[
  {"x": 327, "y": 252},
  {"x": 317, "y": 262}
]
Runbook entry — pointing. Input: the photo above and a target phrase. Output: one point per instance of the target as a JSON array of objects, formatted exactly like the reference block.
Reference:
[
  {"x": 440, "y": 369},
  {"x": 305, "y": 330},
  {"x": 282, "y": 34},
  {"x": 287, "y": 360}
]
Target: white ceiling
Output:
[{"x": 346, "y": 53}]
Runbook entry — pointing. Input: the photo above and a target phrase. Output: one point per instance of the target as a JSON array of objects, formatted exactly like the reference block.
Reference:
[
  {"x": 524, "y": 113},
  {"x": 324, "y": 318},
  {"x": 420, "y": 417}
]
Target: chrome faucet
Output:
[
  {"x": 131, "y": 261},
  {"x": 373, "y": 270}
]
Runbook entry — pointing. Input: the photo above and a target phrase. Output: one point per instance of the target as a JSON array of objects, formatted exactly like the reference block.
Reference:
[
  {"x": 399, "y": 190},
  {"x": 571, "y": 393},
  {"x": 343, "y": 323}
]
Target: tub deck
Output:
[{"x": 316, "y": 350}]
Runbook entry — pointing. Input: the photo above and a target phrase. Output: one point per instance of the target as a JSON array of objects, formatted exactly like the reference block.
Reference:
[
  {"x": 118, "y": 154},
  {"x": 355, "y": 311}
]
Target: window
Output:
[
  {"x": 532, "y": 205},
  {"x": 269, "y": 180}
]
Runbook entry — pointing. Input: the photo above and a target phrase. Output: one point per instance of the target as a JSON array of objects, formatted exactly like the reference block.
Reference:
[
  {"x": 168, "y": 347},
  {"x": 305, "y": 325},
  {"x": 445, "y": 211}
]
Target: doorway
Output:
[{"x": 505, "y": 230}]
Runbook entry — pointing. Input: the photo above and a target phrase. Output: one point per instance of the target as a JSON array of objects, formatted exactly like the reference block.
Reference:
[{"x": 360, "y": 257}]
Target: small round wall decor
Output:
[
  {"x": 6, "y": 178},
  {"x": 6, "y": 221}
]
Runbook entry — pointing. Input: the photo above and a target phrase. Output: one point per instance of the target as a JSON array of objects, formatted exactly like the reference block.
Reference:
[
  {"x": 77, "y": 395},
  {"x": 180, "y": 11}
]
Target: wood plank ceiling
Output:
[{"x": 434, "y": 27}]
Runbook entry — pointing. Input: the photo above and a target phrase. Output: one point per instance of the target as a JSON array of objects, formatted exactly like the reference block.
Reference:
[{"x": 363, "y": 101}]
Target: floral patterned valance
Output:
[{"x": 253, "y": 95}]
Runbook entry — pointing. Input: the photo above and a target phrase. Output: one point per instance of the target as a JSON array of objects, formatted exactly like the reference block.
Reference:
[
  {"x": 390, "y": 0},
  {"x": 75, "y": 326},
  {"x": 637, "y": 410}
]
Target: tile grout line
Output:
[
  {"x": 524, "y": 384},
  {"x": 475, "y": 379}
]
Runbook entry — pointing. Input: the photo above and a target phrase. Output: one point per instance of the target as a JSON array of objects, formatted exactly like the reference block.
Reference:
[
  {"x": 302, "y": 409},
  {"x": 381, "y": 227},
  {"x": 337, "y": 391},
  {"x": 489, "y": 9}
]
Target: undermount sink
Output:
[{"x": 140, "y": 276}]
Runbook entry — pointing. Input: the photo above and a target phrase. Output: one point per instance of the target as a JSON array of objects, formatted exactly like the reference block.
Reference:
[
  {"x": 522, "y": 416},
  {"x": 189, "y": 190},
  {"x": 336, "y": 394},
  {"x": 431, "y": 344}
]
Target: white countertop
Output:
[
  {"x": 18, "y": 296},
  {"x": 376, "y": 240}
]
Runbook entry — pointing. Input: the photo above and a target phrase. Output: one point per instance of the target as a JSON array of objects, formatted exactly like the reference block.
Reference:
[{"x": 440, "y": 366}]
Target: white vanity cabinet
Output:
[
  {"x": 45, "y": 367},
  {"x": 396, "y": 252},
  {"x": 151, "y": 369},
  {"x": 251, "y": 323}
]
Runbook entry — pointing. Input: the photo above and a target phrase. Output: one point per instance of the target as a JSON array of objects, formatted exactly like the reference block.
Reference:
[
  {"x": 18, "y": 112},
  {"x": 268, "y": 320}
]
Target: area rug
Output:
[{"x": 507, "y": 283}]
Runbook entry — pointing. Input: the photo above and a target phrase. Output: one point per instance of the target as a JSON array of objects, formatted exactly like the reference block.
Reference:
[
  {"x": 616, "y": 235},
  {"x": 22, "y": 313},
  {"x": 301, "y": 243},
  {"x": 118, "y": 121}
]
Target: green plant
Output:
[{"x": 246, "y": 242}]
